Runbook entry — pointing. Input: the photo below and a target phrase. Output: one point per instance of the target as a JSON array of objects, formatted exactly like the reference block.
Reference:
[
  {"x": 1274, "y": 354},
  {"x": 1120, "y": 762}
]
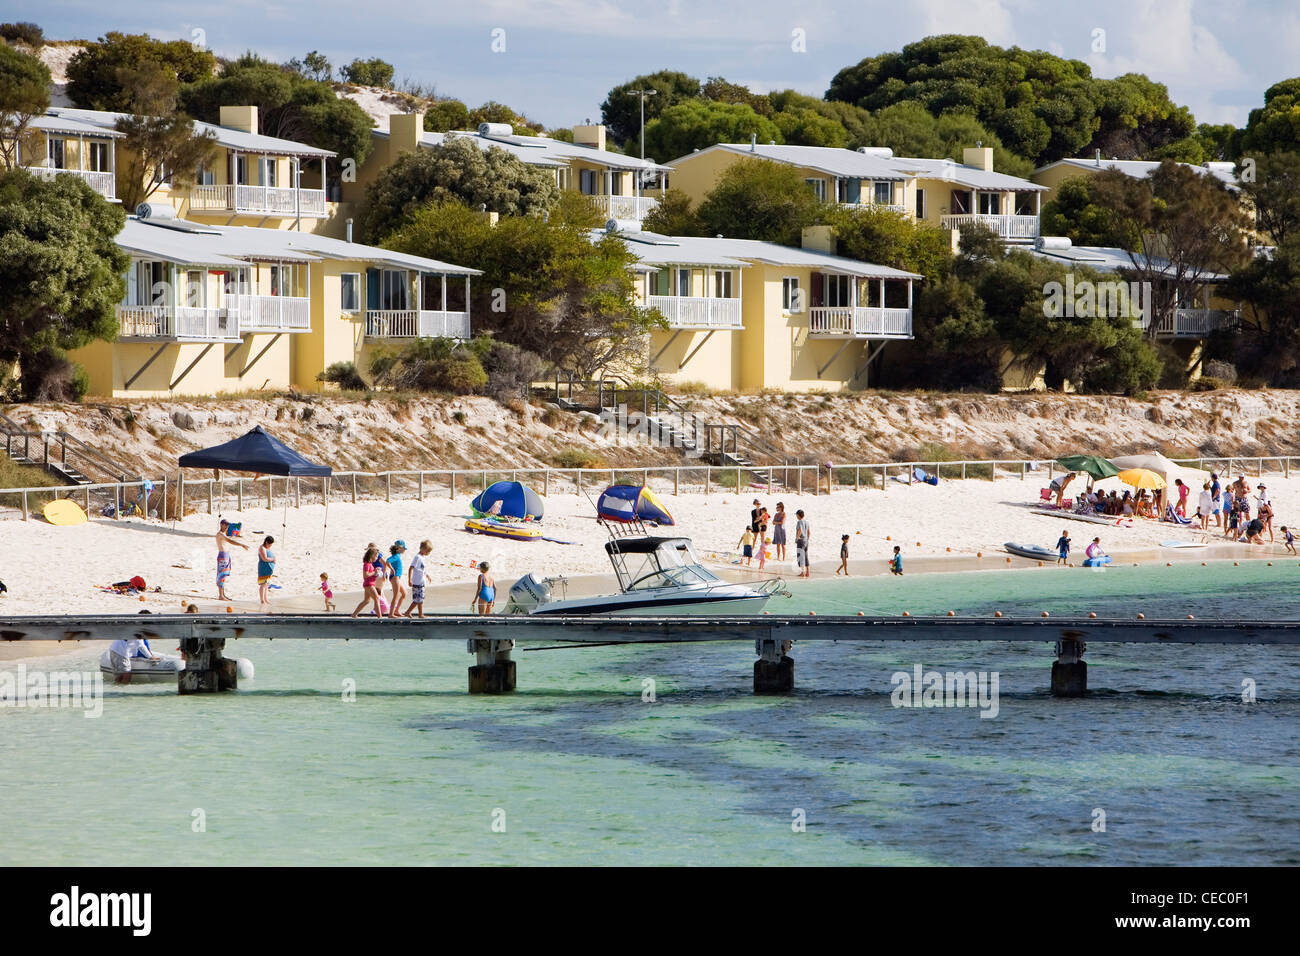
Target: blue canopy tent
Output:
[
  {"x": 508, "y": 499},
  {"x": 632, "y": 503},
  {"x": 260, "y": 453}
]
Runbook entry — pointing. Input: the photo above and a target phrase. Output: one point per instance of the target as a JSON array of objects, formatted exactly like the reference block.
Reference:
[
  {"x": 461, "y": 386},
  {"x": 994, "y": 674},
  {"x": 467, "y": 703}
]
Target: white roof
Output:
[
  {"x": 962, "y": 174},
  {"x": 1141, "y": 168},
  {"x": 1106, "y": 258},
  {"x": 692, "y": 250},
  {"x": 540, "y": 150},
  {"x": 847, "y": 163},
  {"x": 227, "y": 137},
  {"x": 180, "y": 241},
  {"x": 63, "y": 124}
]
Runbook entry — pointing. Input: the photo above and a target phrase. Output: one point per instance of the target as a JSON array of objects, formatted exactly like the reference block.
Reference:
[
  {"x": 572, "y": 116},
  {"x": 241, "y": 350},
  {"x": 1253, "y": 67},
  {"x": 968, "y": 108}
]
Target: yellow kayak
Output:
[{"x": 502, "y": 529}]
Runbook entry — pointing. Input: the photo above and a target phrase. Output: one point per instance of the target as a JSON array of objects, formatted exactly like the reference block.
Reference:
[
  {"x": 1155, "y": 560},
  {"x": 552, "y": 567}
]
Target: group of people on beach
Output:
[
  {"x": 225, "y": 564},
  {"x": 1230, "y": 507},
  {"x": 756, "y": 536}
]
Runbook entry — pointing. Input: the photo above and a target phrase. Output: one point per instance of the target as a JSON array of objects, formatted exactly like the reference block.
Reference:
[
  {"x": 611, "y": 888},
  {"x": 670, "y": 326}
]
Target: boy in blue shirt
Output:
[{"x": 1063, "y": 547}]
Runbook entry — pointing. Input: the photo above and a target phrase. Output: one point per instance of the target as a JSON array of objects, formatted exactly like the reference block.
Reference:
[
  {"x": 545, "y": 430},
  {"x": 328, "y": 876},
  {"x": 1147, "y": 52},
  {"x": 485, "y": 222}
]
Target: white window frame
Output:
[
  {"x": 920, "y": 203},
  {"x": 62, "y": 152},
  {"x": 356, "y": 292},
  {"x": 789, "y": 294},
  {"x": 818, "y": 186},
  {"x": 887, "y": 188},
  {"x": 722, "y": 284}
]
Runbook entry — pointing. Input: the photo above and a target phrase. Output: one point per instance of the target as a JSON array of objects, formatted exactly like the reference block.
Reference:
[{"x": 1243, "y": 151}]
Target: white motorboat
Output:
[{"x": 656, "y": 577}]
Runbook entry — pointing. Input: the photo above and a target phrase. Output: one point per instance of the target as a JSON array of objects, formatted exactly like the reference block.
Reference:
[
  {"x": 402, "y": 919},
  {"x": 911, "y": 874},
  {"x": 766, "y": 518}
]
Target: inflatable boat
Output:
[
  {"x": 142, "y": 669},
  {"x": 1035, "y": 551},
  {"x": 503, "y": 529}
]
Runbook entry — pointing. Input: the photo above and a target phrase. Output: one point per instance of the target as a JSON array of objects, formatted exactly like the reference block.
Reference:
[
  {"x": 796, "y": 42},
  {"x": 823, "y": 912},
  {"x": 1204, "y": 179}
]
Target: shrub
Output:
[
  {"x": 578, "y": 458},
  {"x": 345, "y": 376},
  {"x": 1226, "y": 371},
  {"x": 372, "y": 72},
  {"x": 27, "y": 33},
  {"x": 50, "y": 376},
  {"x": 1209, "y": 383},
  {"x": 430, "y": 365},
  {"x": 511, "y": 370}
]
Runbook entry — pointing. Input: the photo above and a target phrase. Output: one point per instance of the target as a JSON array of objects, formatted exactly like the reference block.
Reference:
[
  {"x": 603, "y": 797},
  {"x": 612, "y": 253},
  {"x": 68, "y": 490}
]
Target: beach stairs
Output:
[{"x": 69, "y": 459}]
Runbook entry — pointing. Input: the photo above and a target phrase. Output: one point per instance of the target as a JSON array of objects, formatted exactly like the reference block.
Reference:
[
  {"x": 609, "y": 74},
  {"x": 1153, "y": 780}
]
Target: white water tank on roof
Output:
[
  {"x": 1052, "y": 242},
  {"x": 155, "y": 210},
  {"x": 495, "y": 129},
  {"x": 880, "y": 152}
]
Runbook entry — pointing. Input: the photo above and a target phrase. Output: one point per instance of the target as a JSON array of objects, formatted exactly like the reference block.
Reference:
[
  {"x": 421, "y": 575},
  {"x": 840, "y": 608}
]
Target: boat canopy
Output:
[{"x": 645, "y": 563}]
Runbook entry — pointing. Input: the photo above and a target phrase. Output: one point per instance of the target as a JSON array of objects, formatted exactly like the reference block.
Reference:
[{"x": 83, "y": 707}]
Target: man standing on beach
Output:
[
  {"x": 802, "y": 535},
  {"x": 1216, "y": 493}
]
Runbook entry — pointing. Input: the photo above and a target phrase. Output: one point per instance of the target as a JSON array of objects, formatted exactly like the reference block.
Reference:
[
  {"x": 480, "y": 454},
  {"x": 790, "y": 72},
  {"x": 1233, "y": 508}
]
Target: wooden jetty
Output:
[{"x": 491, "y": 638}]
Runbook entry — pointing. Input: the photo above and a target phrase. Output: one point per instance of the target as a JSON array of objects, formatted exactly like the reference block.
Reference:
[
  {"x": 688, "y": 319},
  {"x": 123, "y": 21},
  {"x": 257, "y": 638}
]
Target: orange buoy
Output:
[
  {"x": 979, "y": 554},
  {"x": 1270, "y": 564},
  {"x": 1092, "y": 614},
  {"x": 1169, "y": 564},
  {"x": 1045, "y": 614},
  {"x": 952, "y": 613},
  {"x": 997, "y": 613},
  {"x": 141, "y": 597},
  {"x": 907, "y": 614},
  {"x": 1141, "y": 616},
  {"x": 918, "y": 544},
  {"x": 1008, "y": 560},
  {"x": 1040, "y": 564},
  {"x": 861, "y": 614},
  {"x": 812, "y": 613},
  {"x": 1202, "y": 564},
  {"x": 1190, "y": 618},
  {"x": 1234, "y": 564},
  {"x": 230, "y": 610},
  {"x": 888, "y": 538},
  {"x": 947, "y": 549}
]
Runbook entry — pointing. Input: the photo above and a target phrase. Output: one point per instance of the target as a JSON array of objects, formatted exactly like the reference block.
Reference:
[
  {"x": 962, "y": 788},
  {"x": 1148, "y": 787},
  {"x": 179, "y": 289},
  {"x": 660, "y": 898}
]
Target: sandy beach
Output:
[{"x": 955, "y": 526}]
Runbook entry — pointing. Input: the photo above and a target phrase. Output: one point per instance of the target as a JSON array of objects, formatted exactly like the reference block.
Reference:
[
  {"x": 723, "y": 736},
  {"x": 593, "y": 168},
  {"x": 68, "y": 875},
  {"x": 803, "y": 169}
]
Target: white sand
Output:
[{"x": 55, "y": 570}]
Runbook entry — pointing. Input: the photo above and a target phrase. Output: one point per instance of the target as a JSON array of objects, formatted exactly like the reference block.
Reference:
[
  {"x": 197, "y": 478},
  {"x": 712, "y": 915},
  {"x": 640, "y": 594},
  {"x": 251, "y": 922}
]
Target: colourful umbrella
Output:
[{"x": 1142, "y": 478}]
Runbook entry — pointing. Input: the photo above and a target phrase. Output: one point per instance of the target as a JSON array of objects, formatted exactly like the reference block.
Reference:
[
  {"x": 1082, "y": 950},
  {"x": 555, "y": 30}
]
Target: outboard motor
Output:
[{"x": 527, "y": 594}]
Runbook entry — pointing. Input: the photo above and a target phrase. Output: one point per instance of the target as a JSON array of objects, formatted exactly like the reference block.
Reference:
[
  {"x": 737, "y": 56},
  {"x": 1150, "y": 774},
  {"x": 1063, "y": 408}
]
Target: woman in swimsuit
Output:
[
  {"x": 778, "y": 531},
  {"x": 224, "y": 563},
  {"x": 369, "y": 581},
  {"x": 486, "y": 594}
]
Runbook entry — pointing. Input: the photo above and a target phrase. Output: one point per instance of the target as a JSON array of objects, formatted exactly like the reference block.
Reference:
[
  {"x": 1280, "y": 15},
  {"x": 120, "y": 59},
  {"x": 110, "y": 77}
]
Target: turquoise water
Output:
[{"x": 287, "y": 771}]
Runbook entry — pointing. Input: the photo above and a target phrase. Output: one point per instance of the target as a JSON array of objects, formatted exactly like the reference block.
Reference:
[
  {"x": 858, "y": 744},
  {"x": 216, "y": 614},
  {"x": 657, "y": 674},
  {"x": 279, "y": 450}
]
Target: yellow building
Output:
[
  {"x": 614, "y": 182},
  {"x": 941, "y": 192},
  {"x": 1053, "y": 174},
  {"x": 255, "y": 180},
  {"x": 57, "y": 144},
  {"x": 750, "y": 315},
  {"x": 224, "y": 309}
]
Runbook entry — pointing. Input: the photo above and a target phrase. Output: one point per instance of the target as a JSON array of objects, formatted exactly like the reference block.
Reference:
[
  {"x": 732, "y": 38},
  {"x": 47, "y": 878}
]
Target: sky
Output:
[{"x": 554, "y": 60}]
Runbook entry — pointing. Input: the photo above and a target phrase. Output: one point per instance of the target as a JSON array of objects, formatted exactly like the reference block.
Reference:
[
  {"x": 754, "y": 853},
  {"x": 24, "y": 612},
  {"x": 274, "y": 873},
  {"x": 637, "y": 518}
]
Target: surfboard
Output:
[{"x": 64, "y": 511}]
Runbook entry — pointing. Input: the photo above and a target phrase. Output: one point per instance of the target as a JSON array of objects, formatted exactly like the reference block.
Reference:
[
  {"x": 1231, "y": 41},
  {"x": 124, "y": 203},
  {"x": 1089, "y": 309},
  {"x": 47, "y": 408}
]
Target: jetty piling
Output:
[
  {"x": 495, "y": 671},
  {"x": 206, "y": 670},
  {"x": 774, "y": 669},
  {"x": 1069, "y": 670}
]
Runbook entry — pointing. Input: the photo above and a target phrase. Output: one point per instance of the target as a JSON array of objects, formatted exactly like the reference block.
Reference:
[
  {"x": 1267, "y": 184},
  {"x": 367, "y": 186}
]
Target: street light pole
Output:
[{"x": 643, "y": 94}]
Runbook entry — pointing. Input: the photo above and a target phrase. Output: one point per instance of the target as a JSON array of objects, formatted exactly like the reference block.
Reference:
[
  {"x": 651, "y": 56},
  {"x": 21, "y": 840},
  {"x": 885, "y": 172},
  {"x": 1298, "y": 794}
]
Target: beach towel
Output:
[
  {"x": 1171, "y": 515},
  {"x": 920, "y": 474}
]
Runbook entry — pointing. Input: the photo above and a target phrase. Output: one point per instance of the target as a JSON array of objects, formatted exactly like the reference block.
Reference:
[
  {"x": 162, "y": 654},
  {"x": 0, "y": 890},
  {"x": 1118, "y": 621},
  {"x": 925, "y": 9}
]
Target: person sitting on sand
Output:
[{"x": 1059, "y": 484}]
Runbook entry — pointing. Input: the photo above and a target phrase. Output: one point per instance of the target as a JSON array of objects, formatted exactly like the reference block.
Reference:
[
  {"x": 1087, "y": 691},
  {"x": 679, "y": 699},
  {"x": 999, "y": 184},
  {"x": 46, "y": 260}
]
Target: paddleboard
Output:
[
  {"x": 1184, "y": 544},
  {"x": 1036, "y": 551},
  {"x": 64, "y": 511},
  {"x": 501, "y": 529}
]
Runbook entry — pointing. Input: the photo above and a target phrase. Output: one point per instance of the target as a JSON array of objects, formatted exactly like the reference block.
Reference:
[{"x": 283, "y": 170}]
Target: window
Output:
[
  {"x": 392, "y": 289},
  {"x": 194, "y": 289},
  {"x": 97, "y": 157},
  {"x": 661, "y": 282},
  {"x": 241, "y": 170},
  {"x": 146, "y": 284},
  {"x": 920, "y": 203},
  {"x": 204, "y": 177},
  {"x": 722, "y": 285},
  {"x": 837, "y": 291},
  {"x": 683, "y": 281},
  {"x": 281, "y": 280},
  {"x": 884, "y": 194},
  {"x": 819, "y": 187},
  {"x": 990, "y": 204},
  {"x": 269, "y": 168},
  {"x": 791, "y": 298},
  {"x": 587, "y": 182},
  {"x": 57, "y": 157},
  {"x": 350, "y": 291},
  {"x": 616, "y": 184}
]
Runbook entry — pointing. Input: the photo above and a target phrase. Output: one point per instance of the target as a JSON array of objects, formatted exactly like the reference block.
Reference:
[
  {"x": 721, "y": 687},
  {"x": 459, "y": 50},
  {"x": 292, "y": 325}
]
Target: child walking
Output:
[
  {"x": 844, "y": 556},
  {"x": 896, "y": 562},
  {"x": 1289, "y": 537},
  {"x": 395, "y": 576},
  {"x": 417, "y": 579},
  {"x": 747, "y": 545},
  {"x": 1063, "y": 547},
  {"x": 369, "y": 581},
  {"x": 327, "y": 591}
]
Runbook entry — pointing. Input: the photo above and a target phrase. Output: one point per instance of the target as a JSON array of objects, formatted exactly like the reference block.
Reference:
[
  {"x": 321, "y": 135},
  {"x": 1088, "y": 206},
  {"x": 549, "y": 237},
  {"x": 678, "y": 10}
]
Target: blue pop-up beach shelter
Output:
[
  {"x": 516, "y": 501},
  {"x": 632, "y": 503},
  {"x": 258, "y": 452}
]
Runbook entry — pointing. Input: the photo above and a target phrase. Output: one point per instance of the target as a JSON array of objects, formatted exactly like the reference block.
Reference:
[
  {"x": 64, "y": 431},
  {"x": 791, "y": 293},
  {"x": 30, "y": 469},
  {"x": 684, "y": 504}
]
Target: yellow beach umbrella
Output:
[{"x": 1141, "y": 478}]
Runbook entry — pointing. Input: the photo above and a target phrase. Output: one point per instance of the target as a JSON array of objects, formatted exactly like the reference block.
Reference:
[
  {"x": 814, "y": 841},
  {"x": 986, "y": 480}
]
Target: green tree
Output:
[
  {"x": 24, "y": 96},
  {"x": 494, "y": 112},
  {"x": 443, "y": 116},
  {"x": 698, "y": 124},
  {"x": 289, "y": 106},
  {"x": 806, "y": 127},
  {"x": 673, "y": 216},
  {"x": 1221, "y": 143},
  {"x": 1137, "y": 120},
  {"x": 1273, "y": 189},
  {"x": 1275, "y": 126},
  {"x": 755, "y": 199},
  {"x": 314, "y": 66},
  {"x": 621, "y": 110},
  {"x": 889, "y": 239},
  {"x": 455, "y": 170},
  {"x": 1074, "y": 214},
  {"x": 28, "y": 34},
  {"x": 372, "y": 72},
  {"x": 429, "y": 365},
  {"x": 956, "y": 345},
  {"x": 61, "y": 277},
  {"x": 95, "y": 71},
  {"x": 546, "y": 286},
  {"x": 721, "y": 91},
  {"x": 158, "y": 140}
]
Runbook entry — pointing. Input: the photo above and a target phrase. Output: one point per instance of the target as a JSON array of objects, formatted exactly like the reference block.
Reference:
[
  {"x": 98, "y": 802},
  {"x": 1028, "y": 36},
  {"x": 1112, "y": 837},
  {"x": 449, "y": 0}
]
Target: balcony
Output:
[
  {"x": 273, "y": 313},
  {"x": 625, "y": 207},
  {"x": 165, "y": 323},
  {"x": 1011, "y": 228},
  {"x": 259, "y": 200},
  {"x": 897, "y": 207},
  {"x": 1195, "y": 323},
  {"x": 102, "y": 182},
  {"x": 698, "y": 312},
  {"x": 413, "y": 324},
  {"x": 860, "y": 322}
]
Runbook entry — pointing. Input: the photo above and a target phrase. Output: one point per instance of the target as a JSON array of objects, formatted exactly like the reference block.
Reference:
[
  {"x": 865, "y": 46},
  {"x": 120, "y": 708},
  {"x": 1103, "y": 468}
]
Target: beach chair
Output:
[{"x": 1045, "y": 494}]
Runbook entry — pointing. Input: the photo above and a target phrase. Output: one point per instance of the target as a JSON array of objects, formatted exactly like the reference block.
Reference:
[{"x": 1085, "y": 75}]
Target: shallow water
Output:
[{"x": 415, "y": 771}]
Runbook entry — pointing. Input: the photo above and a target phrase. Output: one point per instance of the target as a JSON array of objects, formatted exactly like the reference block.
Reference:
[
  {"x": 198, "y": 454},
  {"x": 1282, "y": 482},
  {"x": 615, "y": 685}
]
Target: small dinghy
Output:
[
  {"x": 142, "y": 670},
  {"x": 1035, "y": 551},
  {"x": 503, "y": 529}
]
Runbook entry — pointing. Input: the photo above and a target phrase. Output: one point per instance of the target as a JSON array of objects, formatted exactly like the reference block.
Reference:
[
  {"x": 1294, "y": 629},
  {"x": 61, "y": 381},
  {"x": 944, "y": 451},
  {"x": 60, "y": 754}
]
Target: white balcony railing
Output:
[
  {"x": 861, "y": 322},
  {"x": 411, "y": 324},
  {"x": 177, "y": 323},
  {"x": 625, "y": 207},
  {"x": 1196, "y": 323},
  {"x": 265, "y": 200},
  {"x": 273, "y": 313},
  {"x": 886, "y": 206},
  {"x": 1008, "y": 227},
  {"x": 698, "y": 312},
  {"x": 100, "y": 181}
]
